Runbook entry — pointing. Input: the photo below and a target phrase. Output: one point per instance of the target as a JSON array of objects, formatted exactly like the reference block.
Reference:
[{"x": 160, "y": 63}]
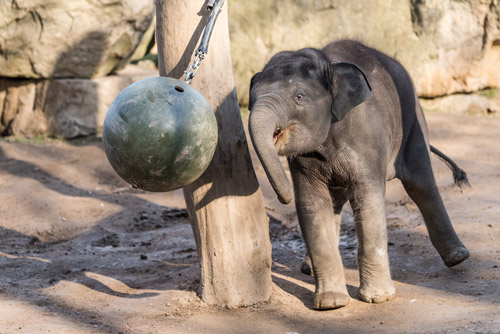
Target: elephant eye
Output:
[{"x": 299, "y": 97}]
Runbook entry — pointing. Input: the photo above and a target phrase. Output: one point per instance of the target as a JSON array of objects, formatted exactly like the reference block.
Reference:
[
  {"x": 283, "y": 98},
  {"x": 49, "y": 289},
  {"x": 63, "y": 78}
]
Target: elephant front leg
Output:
[
  {"x": 339, "y": 198},
  {"x": 306, "y": 265},
  {"x": 368, "y": 205},
  {"x": 321, "y": 234}
]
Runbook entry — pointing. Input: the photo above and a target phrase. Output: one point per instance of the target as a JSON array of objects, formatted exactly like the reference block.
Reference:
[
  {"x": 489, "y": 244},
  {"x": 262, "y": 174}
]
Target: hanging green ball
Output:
[{"x": 159, "y": 134}]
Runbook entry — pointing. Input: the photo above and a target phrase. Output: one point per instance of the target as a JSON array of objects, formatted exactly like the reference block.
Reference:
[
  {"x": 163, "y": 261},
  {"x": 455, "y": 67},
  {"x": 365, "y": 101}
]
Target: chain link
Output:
[
  {"x": 215, "y": 6},
  {"x": 195, "y": 66}
]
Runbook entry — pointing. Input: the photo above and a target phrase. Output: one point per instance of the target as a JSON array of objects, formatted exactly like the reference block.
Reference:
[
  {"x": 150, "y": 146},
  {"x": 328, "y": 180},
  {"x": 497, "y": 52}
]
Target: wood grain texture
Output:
[{"x": 225, "y": 204}]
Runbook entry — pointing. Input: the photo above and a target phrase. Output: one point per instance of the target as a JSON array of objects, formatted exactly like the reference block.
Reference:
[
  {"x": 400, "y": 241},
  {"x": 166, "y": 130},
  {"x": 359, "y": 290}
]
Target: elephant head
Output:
[{"x": 293, "y": 102}]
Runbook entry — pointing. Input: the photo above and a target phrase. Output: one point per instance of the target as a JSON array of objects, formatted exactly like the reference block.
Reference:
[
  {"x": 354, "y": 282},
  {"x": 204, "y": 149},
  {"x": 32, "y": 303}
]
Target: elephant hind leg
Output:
[{"x": 418, "y": 180}]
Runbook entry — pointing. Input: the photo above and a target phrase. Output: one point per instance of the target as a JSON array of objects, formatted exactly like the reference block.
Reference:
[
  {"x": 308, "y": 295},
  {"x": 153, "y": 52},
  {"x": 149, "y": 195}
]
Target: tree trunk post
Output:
[{"x": 225, "y": 204}]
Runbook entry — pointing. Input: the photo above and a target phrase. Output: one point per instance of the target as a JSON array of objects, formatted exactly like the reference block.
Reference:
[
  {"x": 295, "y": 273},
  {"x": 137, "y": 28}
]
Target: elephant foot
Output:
[
  {"x": 306, "y": 266},
  {"x": 372, "y": 293},
  {"x": 456, "y": 256},
  {"x": 330, "y": 300}
]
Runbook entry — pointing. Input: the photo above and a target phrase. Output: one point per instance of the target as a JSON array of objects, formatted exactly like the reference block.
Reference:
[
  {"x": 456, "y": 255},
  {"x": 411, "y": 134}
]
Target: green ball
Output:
[{"x": 159, "y": 134}]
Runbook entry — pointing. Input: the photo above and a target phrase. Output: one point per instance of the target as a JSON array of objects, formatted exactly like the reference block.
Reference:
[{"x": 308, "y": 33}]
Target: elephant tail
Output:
[{"x": 459, "y": 175}]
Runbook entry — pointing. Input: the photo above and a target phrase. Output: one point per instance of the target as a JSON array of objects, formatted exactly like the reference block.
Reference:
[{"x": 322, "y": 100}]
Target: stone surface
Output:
[
  {"x": 66, "y": 108},
  {"x": 472, "y": 104},
  {"x": 147, "y": 39},
  {"x": 484, "y": 103},
  {"x": 70, "y": 39},
  {"x": 21, "y": 108},
  {"x": 494, "y": 107},
  {"x": 447, "y": 46}
]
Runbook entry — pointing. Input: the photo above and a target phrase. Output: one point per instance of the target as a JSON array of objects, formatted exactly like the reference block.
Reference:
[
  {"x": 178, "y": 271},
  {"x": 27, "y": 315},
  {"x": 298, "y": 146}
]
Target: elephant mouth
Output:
[{"x": 277, "y": 135}]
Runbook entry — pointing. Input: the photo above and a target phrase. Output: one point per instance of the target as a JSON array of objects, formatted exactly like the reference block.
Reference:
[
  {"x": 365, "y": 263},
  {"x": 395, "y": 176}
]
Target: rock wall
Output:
[
  {"x": 65, "y": 108},
  {"x": 448, "y": 46},
  {"x": 70, "y": 38},
  {"x": 51, "y": 50},
  {"x": 54, "y": 58}
]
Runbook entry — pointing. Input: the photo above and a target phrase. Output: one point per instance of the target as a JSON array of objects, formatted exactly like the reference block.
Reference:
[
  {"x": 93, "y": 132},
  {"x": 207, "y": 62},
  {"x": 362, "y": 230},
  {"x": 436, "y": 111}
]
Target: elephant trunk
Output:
[{"x": 262, "y": 125}]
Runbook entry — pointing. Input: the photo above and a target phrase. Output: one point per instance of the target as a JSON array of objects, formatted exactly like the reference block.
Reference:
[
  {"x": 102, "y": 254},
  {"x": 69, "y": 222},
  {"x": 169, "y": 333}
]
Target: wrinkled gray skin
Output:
[{"x": 348, "y": 119}]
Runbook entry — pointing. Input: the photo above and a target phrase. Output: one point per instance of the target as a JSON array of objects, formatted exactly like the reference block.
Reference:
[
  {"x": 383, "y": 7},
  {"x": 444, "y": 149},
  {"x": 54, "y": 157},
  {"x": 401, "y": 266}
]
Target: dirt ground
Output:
[{"x": 81, "y": 252}]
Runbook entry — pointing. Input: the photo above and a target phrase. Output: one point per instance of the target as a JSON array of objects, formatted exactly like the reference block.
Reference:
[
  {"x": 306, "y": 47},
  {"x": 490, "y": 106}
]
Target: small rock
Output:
[
  {"x": 112, "y": 240},
  {"x": 33, "y": 241},
  {"x": 171, "y": 213}
]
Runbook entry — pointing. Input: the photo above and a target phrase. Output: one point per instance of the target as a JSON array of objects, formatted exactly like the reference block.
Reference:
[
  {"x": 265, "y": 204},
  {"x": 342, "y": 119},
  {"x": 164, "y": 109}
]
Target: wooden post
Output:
[{"x": 225, "y": 204}]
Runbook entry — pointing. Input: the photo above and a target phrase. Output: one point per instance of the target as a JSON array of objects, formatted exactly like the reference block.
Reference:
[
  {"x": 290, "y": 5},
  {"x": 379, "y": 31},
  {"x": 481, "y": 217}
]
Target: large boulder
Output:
[
  {"x": 65, "y": 108},
  {"x": 448, "y": 46},
  {"x": 70, "y": 39},
  {"x": 483, "y": 103}
]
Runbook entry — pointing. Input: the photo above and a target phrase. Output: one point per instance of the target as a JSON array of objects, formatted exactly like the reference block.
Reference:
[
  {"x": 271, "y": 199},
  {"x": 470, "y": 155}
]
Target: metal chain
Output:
[
  {"x": 215, "y": 6},
  {"x": 195, "y": 66}
]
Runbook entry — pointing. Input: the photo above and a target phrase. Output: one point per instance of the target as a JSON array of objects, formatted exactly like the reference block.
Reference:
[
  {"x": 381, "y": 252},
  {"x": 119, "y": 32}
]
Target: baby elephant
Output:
[{"x": 348, "y": 119}]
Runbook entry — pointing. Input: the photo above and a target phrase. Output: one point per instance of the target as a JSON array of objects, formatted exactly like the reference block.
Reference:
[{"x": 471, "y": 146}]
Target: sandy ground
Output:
[{"x": 81, "y": 252}]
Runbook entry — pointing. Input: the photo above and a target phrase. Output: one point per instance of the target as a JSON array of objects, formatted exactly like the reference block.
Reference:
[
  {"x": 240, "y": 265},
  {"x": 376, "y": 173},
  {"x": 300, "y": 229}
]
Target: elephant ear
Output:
[
  {"x": 349, "y": 88},
  {"x": 251, "y": 96}
]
